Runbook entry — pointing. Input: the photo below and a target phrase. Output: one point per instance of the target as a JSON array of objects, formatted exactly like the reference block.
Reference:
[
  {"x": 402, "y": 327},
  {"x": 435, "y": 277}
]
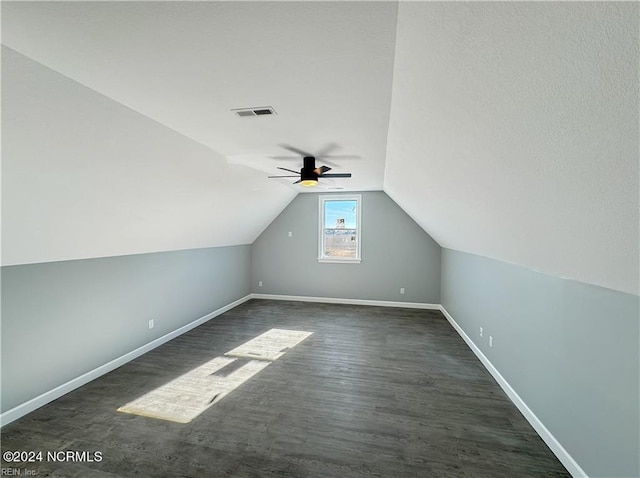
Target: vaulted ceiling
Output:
[{"x": 508, "y": 130}]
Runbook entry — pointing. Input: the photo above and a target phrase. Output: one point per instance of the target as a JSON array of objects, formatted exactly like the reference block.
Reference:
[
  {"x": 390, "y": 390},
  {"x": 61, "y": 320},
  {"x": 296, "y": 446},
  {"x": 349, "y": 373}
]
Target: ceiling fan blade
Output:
[
  {"x": 296, "y": 176},
  {"x": 290, "y": 170},
  {"x": 335, "y": 175},
  {"x": 295, "y": 150},
  {"x": 340, "y": 156},
  {"x": 321, "y": 170},
  {"x": 298, "y": 181},
  {"x": 325, "y": 157},
  {"x": 327, "y": 149}
]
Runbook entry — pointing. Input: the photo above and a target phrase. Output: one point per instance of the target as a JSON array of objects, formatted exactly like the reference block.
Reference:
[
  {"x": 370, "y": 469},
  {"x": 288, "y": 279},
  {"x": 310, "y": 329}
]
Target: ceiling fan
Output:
[{"x": 309, "y": 174}]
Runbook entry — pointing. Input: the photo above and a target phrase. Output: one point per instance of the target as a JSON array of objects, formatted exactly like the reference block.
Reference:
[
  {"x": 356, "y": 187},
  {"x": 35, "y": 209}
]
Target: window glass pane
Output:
[{"x": 340, "y": 233}]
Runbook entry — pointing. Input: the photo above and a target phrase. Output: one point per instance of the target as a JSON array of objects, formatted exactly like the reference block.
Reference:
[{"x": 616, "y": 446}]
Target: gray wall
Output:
[
  {"x": 396, "y": 253},
  {"x": 569, "y": 349},
  {"x": 71, "y": 317}
]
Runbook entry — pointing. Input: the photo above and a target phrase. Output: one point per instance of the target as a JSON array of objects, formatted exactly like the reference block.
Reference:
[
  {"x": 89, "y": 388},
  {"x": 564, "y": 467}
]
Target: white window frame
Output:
[{"x": 322, "y": 199}]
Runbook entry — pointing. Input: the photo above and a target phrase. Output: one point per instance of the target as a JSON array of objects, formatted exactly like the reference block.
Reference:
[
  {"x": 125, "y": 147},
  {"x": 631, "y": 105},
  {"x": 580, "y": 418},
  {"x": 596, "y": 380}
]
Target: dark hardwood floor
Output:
[{"x": 385, "y": 392}]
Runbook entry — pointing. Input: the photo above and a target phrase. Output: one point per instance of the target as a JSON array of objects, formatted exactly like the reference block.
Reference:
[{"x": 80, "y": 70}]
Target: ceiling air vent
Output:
[{"x": 258, "y": 111}]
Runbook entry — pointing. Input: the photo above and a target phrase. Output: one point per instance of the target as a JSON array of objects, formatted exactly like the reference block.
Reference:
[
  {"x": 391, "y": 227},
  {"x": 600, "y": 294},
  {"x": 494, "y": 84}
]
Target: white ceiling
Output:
[
  {"x": 84, "y": 176},
  {"x": 514, "y": 133},
  {"x": 325, "y": 67},
  {"x": 119, "y": 135},
  {"x": 507, "y": 130}
]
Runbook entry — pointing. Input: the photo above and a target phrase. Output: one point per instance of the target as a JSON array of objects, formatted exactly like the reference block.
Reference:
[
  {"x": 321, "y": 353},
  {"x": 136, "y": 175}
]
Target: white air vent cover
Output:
[{"x": 256, "y": 111}]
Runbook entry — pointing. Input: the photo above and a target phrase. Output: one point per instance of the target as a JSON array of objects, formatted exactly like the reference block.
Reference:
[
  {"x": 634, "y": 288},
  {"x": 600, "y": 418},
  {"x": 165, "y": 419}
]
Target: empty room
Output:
[{"x": 320, "y": 239}]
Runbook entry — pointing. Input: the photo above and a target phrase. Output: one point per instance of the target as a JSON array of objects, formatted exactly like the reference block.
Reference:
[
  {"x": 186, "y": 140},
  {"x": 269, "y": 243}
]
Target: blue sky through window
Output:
[{"x": 337, "y": 209}]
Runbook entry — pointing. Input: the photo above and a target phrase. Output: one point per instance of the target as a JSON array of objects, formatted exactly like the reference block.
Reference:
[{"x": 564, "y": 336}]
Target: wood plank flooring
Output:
[{"x": 374, "y": 392}]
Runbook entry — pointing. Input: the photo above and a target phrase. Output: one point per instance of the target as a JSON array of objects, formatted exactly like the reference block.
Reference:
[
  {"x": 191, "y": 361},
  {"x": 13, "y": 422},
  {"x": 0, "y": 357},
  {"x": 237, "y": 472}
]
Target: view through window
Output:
[{"x": 340, "y": 228}]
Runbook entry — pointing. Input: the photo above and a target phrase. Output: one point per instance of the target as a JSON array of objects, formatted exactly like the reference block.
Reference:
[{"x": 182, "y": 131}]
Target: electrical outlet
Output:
[
  {"x": 490, "y": 341},
  {"x": 151, "y": 324},
  {"x": 259, "y": 283},
  {"x": 290, "y": 234},
  {"x": 402, "y": 290},
  {"x": 481, "y": 331}
]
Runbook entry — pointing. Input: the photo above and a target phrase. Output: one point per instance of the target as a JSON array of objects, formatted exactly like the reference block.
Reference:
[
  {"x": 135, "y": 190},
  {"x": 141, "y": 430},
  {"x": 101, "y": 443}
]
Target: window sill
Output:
[{"x": 339, "y": 261}]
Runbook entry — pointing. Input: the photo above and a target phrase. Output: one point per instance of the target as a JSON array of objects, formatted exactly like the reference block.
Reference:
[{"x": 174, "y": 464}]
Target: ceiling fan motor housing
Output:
[{"x": 308, "y": 170}]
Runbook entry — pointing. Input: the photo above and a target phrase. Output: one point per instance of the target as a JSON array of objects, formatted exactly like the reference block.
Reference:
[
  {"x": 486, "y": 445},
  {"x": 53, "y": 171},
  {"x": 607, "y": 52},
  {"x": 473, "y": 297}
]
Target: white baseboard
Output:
[
  {"x": 41, "y": 400},
  {"x": 563, "y": 455},
  {"x": 336, "y": 300}
]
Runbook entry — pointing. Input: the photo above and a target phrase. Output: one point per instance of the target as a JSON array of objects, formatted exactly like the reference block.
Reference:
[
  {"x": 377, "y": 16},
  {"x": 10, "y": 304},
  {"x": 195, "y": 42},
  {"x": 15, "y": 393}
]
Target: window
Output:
[{"x": 340, "y": 228}]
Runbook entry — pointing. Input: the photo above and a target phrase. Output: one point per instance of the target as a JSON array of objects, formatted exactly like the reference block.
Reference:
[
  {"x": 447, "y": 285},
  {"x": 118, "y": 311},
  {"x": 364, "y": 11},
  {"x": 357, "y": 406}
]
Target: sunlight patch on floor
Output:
[
  {"x": 271, "y": 345},
  {"x": 184, "y": 398}
]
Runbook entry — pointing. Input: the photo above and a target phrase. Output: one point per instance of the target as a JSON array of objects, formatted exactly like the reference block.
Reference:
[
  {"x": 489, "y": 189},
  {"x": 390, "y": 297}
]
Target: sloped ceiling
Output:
[
  {"x": 119, "y": 135},
  {"x": 514, "y": 133},
  {"x": 84, "y": 176},
  {"x": 508, "y": 130}
]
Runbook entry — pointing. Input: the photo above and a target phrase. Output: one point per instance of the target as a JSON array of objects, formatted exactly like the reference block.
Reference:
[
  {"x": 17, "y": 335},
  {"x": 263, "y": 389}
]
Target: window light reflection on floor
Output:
[{"x": 184, "y": 398}]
